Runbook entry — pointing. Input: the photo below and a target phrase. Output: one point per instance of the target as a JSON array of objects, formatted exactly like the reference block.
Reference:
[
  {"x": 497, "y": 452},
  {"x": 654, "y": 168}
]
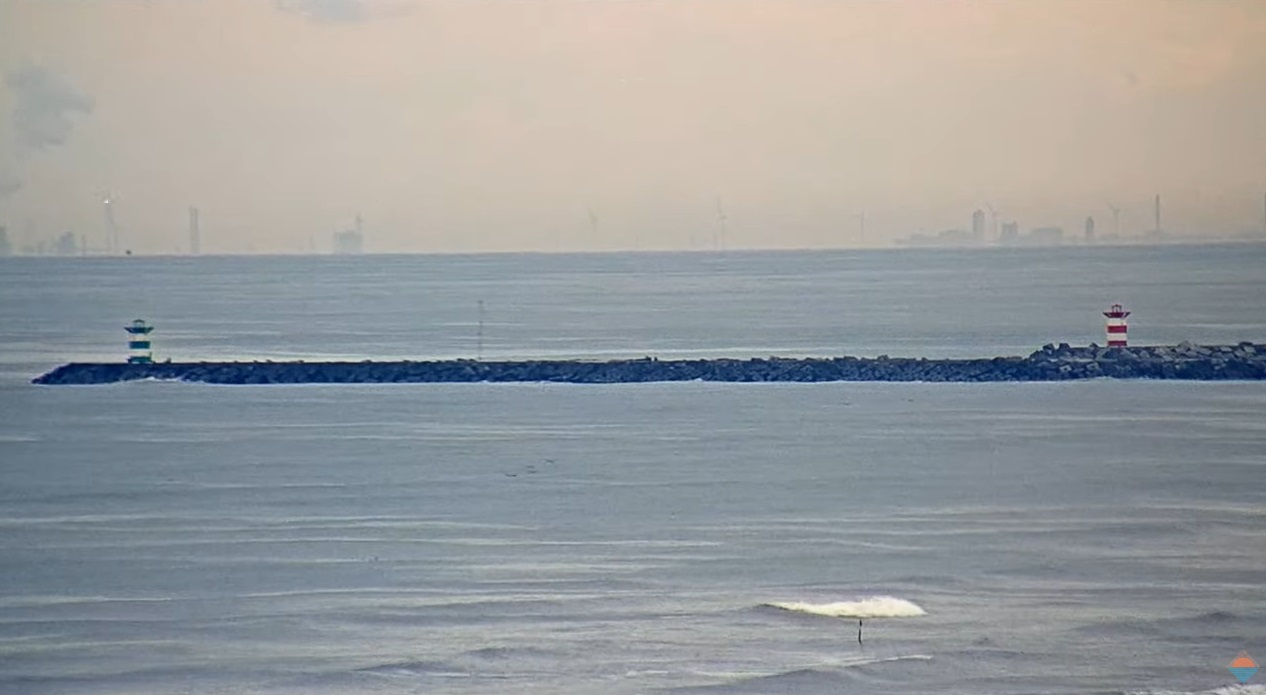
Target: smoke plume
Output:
[
  {"x": 8, "y": 185},
  {"x": 44, "y": 107},
  {"x": 343, "y": 11},
  {"x": 44, "y": 110},
  {"x": 327, "y": 10}
]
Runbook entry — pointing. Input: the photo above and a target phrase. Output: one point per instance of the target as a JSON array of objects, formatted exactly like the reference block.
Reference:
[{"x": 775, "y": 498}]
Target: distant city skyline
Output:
[
  {"x": 976, "y": 232},
  {"x": 459, "y": 126}
]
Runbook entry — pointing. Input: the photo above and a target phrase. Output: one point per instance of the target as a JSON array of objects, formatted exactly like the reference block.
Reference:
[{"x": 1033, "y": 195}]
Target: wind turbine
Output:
[
  {"x": 111, "y": 228},
  {"x": 1116, "y": 219},
  {"x": 593, "y": 221},
  {"x": 720, "y": 241}
]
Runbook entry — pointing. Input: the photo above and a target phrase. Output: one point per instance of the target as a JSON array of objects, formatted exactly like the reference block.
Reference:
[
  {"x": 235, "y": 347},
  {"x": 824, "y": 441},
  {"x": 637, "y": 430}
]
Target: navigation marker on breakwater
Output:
[
  {"x": 138, "y": 344},
  {"x": 1117, "y": 327}
]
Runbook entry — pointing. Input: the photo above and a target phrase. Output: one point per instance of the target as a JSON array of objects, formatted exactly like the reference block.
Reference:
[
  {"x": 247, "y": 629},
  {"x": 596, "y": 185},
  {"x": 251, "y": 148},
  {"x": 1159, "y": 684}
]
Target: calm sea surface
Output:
[{"x": 1093, "y": 537}]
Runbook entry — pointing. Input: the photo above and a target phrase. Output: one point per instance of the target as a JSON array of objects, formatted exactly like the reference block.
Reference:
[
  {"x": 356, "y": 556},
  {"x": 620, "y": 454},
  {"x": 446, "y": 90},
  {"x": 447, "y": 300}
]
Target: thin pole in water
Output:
[{"x": 859, "y": 632}]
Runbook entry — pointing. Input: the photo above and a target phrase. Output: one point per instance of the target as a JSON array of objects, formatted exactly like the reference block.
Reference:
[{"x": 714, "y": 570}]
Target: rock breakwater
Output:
[{"x": 1245, "y": 361}]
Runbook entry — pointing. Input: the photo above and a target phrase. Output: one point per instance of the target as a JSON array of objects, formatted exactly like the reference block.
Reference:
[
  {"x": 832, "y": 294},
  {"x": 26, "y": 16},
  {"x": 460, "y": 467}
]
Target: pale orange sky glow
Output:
[{"x": 471, "y": 125}]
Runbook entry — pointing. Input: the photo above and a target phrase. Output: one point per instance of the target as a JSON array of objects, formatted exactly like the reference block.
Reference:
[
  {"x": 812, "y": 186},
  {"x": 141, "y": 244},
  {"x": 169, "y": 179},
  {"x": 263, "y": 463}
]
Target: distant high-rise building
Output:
[
  {"x": 348, "y": 242},
  {"x": 1090, "y": 230},
  {"x": 66, "y": 245},
  {"x": 195, "y": 234},
  {"x": 978, "y": 226},
  {"x": 1010, "y": 233},
  {"x": 351, "y": 241},
  {"x": 1046, "y": 236}
]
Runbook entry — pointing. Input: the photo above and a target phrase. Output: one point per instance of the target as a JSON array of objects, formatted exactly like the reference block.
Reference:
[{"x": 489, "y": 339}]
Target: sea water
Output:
[{"x": 1089, "y": 537}]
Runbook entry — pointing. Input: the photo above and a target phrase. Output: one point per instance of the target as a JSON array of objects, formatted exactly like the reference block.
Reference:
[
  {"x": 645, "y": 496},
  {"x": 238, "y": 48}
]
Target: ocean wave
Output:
[
  {"x": 799, "y": 680},
  {"x": 414, "y": 669},
  {"x": 45, "y": 601},
  {"x": 17, "y": 439},
  {"x": 1226, "y": 690},
  {"x": 499, "y": 653},
  {"x": 1220, "y": 622},
  {"x": 869, "y": 607},
  {"x": 888, "y": 659},
  {"x": 820, "y": 678}
]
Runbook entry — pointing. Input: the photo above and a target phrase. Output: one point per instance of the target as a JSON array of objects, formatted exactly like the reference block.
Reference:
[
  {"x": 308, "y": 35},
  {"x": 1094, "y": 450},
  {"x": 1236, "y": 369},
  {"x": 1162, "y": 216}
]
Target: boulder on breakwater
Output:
[{"x": 1245, "y": 361}]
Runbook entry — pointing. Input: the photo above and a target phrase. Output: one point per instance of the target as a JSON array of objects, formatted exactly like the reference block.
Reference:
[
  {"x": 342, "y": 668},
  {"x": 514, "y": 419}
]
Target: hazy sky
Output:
[{"x": 457, "y": 125}]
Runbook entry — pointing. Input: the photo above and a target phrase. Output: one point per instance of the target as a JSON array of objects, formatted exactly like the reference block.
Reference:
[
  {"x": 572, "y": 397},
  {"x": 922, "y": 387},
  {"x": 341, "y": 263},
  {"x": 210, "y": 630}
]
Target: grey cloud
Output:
[{"x": 44, "y": 106}]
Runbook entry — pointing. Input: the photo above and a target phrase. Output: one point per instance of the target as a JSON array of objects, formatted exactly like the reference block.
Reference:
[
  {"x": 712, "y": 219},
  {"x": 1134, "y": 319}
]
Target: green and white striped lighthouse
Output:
[{"x": 138, "y": 345}]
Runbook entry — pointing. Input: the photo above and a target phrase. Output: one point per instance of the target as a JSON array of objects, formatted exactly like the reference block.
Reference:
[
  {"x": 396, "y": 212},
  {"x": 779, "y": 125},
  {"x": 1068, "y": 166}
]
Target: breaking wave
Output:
[
  {"x": 869, "y": 607},
  {"x": 823, "y": 678}
]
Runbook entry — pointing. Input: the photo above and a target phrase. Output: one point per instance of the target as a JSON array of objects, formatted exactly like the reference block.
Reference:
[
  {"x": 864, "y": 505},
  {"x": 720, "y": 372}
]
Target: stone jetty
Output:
[{"x": 1245, "y": 361}]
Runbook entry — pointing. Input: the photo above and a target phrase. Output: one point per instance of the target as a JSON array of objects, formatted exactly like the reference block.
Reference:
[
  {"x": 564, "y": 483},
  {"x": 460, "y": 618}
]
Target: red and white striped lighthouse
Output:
[{"x": 1116, "y": 326}]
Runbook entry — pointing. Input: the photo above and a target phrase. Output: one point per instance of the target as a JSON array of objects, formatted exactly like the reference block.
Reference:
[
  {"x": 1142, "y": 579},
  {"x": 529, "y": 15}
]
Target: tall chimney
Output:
[{"x": 195, "y": 235}]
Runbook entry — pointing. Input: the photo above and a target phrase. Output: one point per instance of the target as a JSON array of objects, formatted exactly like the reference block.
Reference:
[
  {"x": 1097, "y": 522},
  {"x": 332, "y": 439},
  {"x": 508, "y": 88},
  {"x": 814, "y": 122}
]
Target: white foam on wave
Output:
[
  {"x": 42, "y": 601},
  {"x": 17, "y": 439},
  {"x": 869, "y": 607},
  {"x": 890, "y": 659}
]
